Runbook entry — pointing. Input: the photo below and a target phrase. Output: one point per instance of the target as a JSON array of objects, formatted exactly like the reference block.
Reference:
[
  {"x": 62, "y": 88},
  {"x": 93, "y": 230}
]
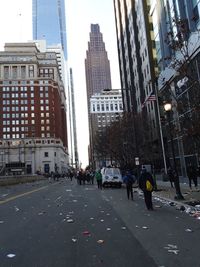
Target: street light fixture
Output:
[{"x": 168, "y": 109}]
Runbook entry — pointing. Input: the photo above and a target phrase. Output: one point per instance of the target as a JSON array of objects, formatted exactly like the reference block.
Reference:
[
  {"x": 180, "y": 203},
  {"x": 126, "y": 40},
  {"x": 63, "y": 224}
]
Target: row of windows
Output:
[
  {"x": 17, "y": 108},
  {"x": 17, "y": 89},
  {"x": 17, "y": 102},
  {"x": 23, "y": 89},
  {"x": 23, "y": 95},
  {"x": 23, "y": 115},
  {"x": 22, "y": 135},
  {"x": 17, "y": 122},
  {"x": 23, "y": 129},
  {"x": 24, "y": 82},
  {"x": 107, "y": 107}
]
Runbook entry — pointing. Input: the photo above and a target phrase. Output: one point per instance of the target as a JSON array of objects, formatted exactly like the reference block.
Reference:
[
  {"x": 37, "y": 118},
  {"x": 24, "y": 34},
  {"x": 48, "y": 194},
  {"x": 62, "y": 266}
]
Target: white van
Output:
[{"x": 111, "y": 177}]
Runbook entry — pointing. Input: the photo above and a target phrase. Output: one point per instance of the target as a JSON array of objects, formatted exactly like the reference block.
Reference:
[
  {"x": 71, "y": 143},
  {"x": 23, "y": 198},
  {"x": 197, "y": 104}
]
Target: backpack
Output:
[{"x": 149, "y": 186}]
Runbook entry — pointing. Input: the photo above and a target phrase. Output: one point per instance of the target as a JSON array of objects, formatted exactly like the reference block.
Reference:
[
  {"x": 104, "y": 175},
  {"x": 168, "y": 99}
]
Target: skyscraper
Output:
[
  {"x": 97, "y": 65},
  {"x": 138, "y": 69},
  {"x": 49, "y": 22},
  {"x": 97, "y": 70}
]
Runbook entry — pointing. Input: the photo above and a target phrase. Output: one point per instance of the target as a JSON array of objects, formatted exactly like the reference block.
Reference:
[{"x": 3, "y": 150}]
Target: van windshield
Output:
[{"x": 112, "y": 171}]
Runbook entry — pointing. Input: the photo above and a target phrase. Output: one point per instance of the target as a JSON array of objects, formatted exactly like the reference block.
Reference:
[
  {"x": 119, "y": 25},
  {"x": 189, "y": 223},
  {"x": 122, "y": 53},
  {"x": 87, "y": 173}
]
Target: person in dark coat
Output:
[
  {"x": 129, "y": 180},
  {"x": 171, "y": 176},
  {"x": 192, "y": 175},
  {"x": 143, "y": 186}
]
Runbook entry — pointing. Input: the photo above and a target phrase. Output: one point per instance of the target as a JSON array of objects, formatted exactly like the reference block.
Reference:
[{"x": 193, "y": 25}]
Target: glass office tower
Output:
[{"x": 49, "y": 22}]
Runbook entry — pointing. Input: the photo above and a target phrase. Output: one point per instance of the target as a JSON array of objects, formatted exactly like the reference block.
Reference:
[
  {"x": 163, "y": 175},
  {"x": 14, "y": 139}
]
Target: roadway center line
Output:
[{"x": 21, "y": 195}]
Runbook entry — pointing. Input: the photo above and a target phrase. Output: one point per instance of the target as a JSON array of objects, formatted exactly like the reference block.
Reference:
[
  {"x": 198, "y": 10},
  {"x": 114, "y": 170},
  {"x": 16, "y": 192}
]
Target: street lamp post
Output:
[{"x": 168, "y": 109}]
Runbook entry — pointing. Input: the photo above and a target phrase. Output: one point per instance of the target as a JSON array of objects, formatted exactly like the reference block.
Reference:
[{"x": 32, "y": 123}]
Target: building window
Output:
[
  {"x": 6, "y": 72},
  {"x": 46, "y": 154}
]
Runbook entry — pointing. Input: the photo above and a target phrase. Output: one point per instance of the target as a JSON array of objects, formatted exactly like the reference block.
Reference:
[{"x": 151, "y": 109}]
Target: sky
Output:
[{"x": 16, "y": 15}]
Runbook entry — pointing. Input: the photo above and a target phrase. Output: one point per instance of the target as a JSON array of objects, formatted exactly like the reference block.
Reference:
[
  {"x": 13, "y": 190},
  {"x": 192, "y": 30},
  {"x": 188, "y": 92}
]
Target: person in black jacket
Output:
[
  {"x": 192, "y": 175},
  {"x": 143, "y": 186}
]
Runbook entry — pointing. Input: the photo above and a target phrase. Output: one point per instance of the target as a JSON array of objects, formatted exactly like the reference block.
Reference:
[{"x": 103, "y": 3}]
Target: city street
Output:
[{"x": 57, "y": 224}]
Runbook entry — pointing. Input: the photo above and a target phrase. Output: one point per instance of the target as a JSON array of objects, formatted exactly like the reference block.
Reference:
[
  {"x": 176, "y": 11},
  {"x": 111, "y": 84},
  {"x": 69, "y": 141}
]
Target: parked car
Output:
[{"x": 111, "y": 177}]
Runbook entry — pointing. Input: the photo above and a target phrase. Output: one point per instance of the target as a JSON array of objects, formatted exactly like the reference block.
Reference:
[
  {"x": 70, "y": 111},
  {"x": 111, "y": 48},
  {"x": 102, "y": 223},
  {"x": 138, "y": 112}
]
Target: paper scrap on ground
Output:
[
  {"x": 100, "y": 241},
  {"x": 188, "y": 230},
  {"x": 11, "y": 255},
  {"x": 86, "y": 233},
  {"x": 70, "y": 221},
  {"x": 172, "y": 248}
]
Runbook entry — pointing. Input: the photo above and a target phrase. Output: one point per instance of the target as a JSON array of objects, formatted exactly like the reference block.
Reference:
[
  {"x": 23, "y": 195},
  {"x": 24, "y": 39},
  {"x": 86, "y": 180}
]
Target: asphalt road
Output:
[{"x": 64, "y": 224}]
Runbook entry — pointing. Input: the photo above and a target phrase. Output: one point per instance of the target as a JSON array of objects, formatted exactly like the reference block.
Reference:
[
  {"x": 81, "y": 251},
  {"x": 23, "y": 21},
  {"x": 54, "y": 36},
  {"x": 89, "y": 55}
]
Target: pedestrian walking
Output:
[
  {"x": 71, "y": 175},
  {"x": 171, "y": 176},
  {"x": 98, "y": 177},
  {"x": 146, "y": 184},
  {"x": 192, "y": 175},
  {"x": 129, "y": 180}
]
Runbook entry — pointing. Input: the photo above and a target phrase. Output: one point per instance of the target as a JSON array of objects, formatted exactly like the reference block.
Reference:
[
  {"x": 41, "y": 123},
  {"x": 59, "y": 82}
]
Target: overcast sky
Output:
[{"x": 16, "y": 19}]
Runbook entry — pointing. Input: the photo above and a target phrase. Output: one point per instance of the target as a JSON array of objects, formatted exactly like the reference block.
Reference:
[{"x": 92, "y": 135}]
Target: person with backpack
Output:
[
  {"x": 129, "y": 180},
  {"x": 146, "y": 184}
]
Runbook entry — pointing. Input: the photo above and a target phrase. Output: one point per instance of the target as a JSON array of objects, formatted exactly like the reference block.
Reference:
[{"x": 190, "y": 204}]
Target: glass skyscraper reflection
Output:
[{"x": 49, "y": 22}]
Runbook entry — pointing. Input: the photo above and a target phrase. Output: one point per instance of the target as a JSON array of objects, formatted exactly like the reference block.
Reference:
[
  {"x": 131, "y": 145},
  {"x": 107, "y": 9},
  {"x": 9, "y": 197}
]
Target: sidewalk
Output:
[{"x": 165, "y": 190}]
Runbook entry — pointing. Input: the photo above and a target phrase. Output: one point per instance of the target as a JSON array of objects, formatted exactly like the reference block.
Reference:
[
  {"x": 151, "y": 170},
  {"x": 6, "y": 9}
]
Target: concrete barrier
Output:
[{"x": 18, "y": 179}]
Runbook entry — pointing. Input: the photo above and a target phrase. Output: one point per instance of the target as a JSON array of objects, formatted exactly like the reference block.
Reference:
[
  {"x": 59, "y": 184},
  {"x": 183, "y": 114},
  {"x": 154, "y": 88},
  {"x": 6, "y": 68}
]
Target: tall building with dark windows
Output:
[
  {"x": 159, "y": 56},
  {"x": 137, "y": 59},
  {"x": 176, "y": 25},
  {"x": 98, "y": 77},
  {"x": 49, "y": 22}
]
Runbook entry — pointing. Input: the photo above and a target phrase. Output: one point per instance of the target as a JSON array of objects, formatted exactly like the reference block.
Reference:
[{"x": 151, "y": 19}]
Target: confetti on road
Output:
[
  {"x": 108, "y": 229},
  {"x": 172, "y": 248},
  {"x": 144, "y": 227},
  {"x": 102, "y": 220},
  {"x": 86, "y": 233},
  {"x": 100, "y": 241},
  {"x": 91, "y": 218},
  {"x": 74, "y": 240},
  {"x": 41, "y": 213},
  {"x": 157, "y": 206},
  {"x": 11, "y": 255},
  {"x": 70, "y": 221},
  {"x": 16, "y": 208},
  {"x": 71, "y": 212},
  {"x": 188, "y": 230},
  {"x": 175, "y": 251},
  {"x": 123, "y": 228},
  {"x": 1, "y": 222}
]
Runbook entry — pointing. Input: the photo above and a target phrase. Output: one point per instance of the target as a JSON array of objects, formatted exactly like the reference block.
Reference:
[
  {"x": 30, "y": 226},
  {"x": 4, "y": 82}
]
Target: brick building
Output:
[{"x": 33, "y": 129}]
